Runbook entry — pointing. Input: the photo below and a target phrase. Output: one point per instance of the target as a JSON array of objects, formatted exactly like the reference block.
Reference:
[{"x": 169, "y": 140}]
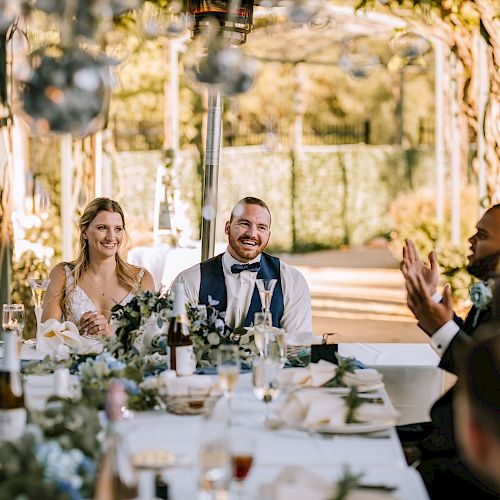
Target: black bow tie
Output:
[{"x": 253, "y": 268}]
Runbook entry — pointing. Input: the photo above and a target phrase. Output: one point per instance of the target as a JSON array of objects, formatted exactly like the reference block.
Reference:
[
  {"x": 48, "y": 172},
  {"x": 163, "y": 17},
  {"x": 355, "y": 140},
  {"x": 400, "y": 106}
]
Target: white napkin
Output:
[
  {"x": 314, "y": 375},
  {"x": 185, "y": 386},
  {"x": 297, "y": 483},
  {"x": 313, "y": 409},
  {"x": 60, "y": 339},
  {"x": 362, "y": 377}
]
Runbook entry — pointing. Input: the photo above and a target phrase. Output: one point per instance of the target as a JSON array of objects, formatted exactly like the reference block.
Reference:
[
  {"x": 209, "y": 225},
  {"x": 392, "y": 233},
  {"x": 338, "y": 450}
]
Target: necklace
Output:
[{"x": 101, "y": 289}]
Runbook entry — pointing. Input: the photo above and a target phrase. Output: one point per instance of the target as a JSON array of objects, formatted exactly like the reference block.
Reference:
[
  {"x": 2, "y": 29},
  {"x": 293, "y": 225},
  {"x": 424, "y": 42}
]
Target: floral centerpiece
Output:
[
  {"x": 209, "y": 331},
  {"x": 140, "y": 326},
  {"x": 146, "y": 311}
]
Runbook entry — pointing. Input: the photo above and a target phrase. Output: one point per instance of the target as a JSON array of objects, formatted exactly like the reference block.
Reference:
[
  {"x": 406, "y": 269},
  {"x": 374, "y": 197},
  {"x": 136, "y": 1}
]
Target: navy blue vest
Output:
[{"x": 213, "y": 284}]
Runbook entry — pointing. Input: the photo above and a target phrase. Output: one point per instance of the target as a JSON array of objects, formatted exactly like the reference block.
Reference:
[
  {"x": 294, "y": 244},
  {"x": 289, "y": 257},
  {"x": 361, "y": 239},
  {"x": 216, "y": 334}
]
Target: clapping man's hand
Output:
[
  {"x": 412, "y": 263},
  {"x": 430, "y": 315}
]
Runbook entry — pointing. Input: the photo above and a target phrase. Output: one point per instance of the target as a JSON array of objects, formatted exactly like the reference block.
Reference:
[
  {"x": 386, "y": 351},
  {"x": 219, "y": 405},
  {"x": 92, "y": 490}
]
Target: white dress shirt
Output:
[
  {"x": 239, "y": 287},
  {"x": 442, "y": 337}
]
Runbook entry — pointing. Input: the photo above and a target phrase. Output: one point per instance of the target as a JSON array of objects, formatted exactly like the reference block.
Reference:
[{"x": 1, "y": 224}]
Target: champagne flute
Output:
[
  {"x": 38, "y": 288},
  {"x": 266, "y": 289},
  {"x": 228, "y": 369},
  {"x": 265, "y": 373}
]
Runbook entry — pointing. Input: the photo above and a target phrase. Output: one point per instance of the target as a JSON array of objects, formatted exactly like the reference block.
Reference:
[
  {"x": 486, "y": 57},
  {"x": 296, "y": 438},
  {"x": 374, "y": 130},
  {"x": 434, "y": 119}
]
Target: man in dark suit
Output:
[
  {"x": 433, "y": 444},
  {"x": 477, "y": 407}
]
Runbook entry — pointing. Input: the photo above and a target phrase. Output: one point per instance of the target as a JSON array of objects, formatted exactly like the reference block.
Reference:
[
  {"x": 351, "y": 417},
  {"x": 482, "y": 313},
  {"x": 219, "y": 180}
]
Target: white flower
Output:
[
  {"x": 481, "y": 295},
  {"x": 213, "y": 338}
]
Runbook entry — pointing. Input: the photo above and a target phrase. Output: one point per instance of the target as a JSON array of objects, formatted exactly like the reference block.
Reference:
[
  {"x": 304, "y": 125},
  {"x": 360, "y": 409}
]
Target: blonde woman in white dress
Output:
[{"x": 86, "y": 289}]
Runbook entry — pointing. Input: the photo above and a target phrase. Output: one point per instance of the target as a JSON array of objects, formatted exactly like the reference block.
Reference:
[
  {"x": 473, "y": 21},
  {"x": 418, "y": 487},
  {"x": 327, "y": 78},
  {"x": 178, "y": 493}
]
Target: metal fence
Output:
[{"x": 148, "y": 135}]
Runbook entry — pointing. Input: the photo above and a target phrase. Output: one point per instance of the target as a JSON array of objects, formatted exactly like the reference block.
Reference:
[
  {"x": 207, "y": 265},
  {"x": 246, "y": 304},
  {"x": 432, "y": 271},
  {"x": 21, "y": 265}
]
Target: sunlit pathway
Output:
[{"x": 358, "y": 294}]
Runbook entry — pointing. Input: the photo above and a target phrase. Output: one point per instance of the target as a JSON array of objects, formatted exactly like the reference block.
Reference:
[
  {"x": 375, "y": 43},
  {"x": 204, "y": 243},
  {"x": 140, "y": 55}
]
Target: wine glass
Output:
[
  {"x": 228, "y": 369},
  {"x": 265, "y": 373},
  {"x": 266, "y": 289},
  {"x": 38, "y": 288},
  {"x": 242, "y": 450},
  {"x": 13, "y": 319}
]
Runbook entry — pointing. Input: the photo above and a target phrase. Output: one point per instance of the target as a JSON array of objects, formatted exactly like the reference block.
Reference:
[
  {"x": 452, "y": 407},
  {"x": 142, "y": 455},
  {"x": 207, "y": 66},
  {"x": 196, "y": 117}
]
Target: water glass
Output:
[
  {"x": 13, "y": 319},
  {"x": 262, "y": 320},
  {"x": 214, "y": 462},
  {"x": 265, "y": 380},
  {"x": 275, "y": 345}
]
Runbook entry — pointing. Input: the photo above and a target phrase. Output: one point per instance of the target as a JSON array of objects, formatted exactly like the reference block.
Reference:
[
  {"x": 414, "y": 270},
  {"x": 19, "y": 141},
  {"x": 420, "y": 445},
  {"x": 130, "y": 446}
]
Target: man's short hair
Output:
[
  {"x": 480, "y": 380},
  {"x": 250, "y": 200}
]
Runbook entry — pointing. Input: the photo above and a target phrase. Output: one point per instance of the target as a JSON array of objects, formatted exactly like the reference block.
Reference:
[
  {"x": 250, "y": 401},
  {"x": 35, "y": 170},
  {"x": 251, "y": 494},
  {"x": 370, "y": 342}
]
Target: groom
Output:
[{"x": 230, "y": 278}]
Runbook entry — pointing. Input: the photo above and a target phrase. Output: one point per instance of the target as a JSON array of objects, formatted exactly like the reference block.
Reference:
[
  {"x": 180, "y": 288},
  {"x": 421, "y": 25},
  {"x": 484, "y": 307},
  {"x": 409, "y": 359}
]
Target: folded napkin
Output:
[
  {"x": 297, "y": 483},
  {"x": 200, "y": 385},
  {"x": 362, "y": 378},
  {"x": 318, "y": 374},
  {"x": 314, "y": 375},
  {"x": 313, "y": 409},
  {"x": 60, "y": 339}
]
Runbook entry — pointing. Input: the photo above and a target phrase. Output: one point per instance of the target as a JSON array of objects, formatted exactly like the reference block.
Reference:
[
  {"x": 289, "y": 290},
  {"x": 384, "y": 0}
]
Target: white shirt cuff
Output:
[
  {"x": 443, "y": 336},
  {"x": 437, "y": 297}
]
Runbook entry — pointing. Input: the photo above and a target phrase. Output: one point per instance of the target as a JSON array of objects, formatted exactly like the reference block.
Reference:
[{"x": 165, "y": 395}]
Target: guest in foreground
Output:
[
  {"x": 477, "y": 411},
  {"x": 230, "y": 278},
  {"x": 85, "y": 290},
  {"x": 433, "y": 444}
]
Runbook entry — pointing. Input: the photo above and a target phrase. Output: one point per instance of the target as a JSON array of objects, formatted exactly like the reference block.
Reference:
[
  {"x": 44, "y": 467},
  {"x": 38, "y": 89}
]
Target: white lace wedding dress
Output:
[{"x": 80, "y": 302}]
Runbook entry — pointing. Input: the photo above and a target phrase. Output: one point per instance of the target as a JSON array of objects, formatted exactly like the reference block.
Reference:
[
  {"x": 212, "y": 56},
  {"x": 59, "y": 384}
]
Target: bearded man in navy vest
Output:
[
  {"x": 432, "y": 444},
  {"x": 230, "y": 277}
]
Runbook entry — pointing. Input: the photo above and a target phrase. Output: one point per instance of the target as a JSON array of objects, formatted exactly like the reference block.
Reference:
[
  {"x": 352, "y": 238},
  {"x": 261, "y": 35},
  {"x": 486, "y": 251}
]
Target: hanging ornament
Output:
[{"x": 69, "y": 93}]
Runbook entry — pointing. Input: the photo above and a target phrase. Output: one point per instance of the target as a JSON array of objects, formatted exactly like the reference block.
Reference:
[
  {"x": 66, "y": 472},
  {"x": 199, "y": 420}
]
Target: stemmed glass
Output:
[
  {"x": 265, "y": 373},
  {"x": 228, "y": 369},
  {"x": 38, "y": 288},
  {"x": 13, "y": 319},
  {"x": 242, "y": 449},
  {"x": 266, "y": 289}
]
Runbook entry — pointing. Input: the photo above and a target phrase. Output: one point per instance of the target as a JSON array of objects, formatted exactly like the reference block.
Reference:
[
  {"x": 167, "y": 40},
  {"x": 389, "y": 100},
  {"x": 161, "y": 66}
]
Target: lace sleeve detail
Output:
[
  {"x": 140, "y": 275},
  {"x": 70, "y": 279}
]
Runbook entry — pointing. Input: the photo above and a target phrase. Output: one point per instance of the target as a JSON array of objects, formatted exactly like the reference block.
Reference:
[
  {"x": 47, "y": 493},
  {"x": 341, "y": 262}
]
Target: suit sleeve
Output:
[{"x": 452, "y": 356}]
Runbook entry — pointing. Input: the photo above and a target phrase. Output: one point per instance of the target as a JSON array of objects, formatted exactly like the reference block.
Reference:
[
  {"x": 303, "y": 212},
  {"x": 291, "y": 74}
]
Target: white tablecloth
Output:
[
  {"x": 411, "y": 375},
  {"x": 165, "y": 262},
  {"x": 381, "y": 459}
]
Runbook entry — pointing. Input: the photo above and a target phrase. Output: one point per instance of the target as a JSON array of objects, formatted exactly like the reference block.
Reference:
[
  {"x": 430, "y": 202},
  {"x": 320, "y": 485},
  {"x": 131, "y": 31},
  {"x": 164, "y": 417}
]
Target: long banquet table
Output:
[{"x": 378, "y": 456}]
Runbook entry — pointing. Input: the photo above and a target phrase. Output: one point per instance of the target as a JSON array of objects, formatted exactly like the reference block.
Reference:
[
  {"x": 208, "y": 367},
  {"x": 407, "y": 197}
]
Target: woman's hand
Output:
[{"x": 93, "y": 323}]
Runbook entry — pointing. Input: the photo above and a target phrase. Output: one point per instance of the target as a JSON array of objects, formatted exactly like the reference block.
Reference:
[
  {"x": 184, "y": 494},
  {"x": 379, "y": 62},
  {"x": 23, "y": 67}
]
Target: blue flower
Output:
[{"x": 130, "y": 386}]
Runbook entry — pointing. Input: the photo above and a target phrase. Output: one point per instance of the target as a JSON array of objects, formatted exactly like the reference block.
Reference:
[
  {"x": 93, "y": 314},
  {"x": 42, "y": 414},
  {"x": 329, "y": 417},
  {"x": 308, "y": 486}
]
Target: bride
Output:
[{"x": 86, "y": 289}]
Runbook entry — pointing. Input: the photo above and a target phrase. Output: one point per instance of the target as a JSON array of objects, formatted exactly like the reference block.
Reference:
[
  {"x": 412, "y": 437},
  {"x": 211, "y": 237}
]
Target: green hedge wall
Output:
[{"x": 319, "y": 197}]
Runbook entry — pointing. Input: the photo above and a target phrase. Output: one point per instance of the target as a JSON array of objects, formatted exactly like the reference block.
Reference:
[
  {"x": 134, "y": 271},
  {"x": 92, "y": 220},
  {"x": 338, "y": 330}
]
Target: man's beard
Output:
[{"x": 484, "y": 267}]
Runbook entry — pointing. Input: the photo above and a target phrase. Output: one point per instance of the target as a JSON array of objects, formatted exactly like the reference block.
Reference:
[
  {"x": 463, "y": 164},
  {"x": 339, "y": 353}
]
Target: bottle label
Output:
[
  {"x": 185, "y": 360},
  {"x": 12, "y": 424}
]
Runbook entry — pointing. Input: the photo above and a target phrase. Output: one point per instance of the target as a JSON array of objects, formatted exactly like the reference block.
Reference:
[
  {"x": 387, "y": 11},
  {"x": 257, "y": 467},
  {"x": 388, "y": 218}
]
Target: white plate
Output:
[
  {"x": 342, "y": 390},
  {"x": 360, "y": 428},
  {"x": 347, "y": 390}
]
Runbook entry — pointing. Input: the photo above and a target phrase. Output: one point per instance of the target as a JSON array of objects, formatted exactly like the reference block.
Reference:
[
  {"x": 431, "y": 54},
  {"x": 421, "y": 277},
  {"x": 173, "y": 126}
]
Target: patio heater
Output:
[{"x": 233, "y": 22}]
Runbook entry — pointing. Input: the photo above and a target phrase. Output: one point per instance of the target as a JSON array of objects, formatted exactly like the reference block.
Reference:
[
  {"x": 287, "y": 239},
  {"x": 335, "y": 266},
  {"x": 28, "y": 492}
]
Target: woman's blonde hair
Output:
[{"x": 127, "y": 273}]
